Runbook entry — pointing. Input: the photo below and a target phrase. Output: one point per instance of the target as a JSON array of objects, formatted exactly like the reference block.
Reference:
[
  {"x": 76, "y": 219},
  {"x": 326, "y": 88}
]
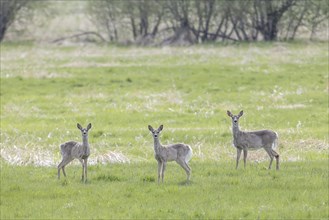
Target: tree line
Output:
[{"x": 193, "y": 21}]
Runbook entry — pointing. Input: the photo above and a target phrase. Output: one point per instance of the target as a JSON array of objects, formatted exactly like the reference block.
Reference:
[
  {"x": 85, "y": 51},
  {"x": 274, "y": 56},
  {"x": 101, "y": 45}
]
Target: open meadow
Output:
[{"x": 46, "y": 90}]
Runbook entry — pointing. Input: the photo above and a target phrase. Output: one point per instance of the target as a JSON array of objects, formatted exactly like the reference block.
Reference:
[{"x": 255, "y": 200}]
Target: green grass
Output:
[
  {"x": 46, "y": 90},
  {"x": 129, "y": 191}
]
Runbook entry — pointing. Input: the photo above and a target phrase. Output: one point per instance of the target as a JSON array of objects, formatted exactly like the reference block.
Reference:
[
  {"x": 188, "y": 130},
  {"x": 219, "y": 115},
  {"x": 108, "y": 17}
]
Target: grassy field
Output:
[
  {"x": 46, "y": 90},
  {"x": 129, "y": 191}
]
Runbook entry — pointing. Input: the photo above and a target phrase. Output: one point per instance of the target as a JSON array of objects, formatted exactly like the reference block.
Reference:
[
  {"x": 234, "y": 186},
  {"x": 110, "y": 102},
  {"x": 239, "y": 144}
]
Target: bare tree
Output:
[
  {"x": 180, "y": 12},
  {"x": 148, "y": 14},
  {"x": 9, "y": 9},
  {"x": 318, "y": 14},
  {"x": 105, "y": 15},
  {"x": 269, "y": 14},
  {"x": 188, "y": 21},
  {"x": 140, "y": 18},
  {"x": 205, "y": 10},
  {"x": 239, "y": 17},
  {"x": 222, "y": 28},
  {"x": 293, "y": 20}
]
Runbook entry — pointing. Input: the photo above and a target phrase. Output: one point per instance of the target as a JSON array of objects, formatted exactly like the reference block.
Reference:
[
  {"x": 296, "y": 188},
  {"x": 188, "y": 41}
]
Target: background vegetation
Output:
[{"x": 164, "y": 22}]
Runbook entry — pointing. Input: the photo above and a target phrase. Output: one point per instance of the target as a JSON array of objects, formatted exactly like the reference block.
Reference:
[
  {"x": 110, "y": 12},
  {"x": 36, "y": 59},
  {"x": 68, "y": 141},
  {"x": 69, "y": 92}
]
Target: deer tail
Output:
[
  {"x": 275, "y": 142},
  {"x": 189, "y": 154},
  {"x": 62, "y": 149}
]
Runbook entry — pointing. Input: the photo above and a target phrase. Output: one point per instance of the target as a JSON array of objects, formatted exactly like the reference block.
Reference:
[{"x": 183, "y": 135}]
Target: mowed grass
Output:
[{"x": 46, "y": 90}]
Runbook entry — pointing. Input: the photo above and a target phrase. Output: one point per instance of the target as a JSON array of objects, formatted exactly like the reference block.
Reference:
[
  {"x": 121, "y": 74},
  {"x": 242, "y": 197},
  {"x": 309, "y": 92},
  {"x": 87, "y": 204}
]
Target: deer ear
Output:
[
  {"x": 241, "y": 113},
  {"x": 150, "y": 128},
  {"x": 229, "y": 113},
  {"x": 89, "y": 126},
  {"x": 79, "y": 126},
  {"x": 160, "y": 128}
]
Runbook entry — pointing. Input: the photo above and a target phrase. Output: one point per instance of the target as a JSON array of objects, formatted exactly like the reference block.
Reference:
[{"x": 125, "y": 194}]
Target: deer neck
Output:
[
  {"x": 85, "y": 145},
  {"x": 157, "y": 145},
  {"x": 236, "y": 130}
]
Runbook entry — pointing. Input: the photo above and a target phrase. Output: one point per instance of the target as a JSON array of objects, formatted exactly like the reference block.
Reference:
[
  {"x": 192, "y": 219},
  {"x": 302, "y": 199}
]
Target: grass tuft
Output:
[
  {"x": 148, "y": 179},
  {"x": 108, "y": 178}
]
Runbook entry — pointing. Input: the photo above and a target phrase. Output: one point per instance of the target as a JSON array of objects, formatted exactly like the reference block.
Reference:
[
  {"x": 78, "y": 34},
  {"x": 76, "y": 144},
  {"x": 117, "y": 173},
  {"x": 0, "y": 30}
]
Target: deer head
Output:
[
  {"x": 84, "y": 131},
  {"x": 235, "y": 118},
  {"x": 155, "y": 133}
]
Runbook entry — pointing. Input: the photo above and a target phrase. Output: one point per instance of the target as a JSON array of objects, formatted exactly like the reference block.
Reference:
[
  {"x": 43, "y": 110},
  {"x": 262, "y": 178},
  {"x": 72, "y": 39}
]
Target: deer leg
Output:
[
  {"x": 277, "y": 162},
  {"x": 163, "y": 170},
  {"x": 190, "y": 170},
  {"x": 59, "y": 174},
  {"x": 59, "y": 170},
  {"x": 238, "y": 154},
  {"x": 83, "y": 169},
  {"x": 269, "y": 152},
  {"x": 85, "y": 161},
  {"x": 183, "y": 164},
  {"x": 62, "y": 165},
  {"x": 276, "y": 155},
  {"x": 159, "y": 170},
  {"x": 186, "y": 164},
  {"x": 63, "y": 168},
  {"x": 245, "y": 153}
]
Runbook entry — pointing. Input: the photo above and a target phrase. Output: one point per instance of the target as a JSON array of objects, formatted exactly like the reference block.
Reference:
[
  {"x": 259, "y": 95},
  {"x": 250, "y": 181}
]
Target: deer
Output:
[
  {"x": 253, "y": 140},
  {"x": 74, "y": 150},
  {"x": 181, "y": 153}
]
